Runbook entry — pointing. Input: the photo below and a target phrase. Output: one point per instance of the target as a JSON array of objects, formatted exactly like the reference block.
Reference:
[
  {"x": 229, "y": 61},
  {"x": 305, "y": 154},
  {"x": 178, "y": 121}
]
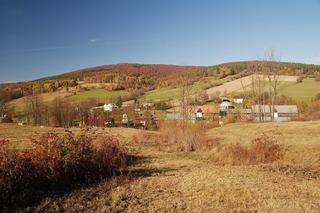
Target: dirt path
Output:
[{"x": 169, "y": 182}]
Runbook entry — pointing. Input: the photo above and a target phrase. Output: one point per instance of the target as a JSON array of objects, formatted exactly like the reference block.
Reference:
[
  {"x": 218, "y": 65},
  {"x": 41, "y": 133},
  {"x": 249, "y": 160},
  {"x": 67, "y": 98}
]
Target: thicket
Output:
[{"x": 56, "y": 162}]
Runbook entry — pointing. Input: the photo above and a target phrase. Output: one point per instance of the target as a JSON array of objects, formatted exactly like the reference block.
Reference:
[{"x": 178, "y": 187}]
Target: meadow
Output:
[
  {"x": 305, "y": 91},
  {"x": 170, "y": 181},
  {"x": 96, "y": 94},
  {"x": 203, "y": 84}
]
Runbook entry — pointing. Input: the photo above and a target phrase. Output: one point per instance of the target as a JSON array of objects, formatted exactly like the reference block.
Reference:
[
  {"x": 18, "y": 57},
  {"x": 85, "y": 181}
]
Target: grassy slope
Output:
[
  {"x": 301, "y": 138},
  {"x": 95, "y": 93},
  {"x": 175, "y": 182},
  {"x": 20, "y": 136},
  {"x": 173, "y": 93},
  {"x": 162, "y": 94},
  {"x": 300, "y": 91},
  {"x": 19, "y": 105}
]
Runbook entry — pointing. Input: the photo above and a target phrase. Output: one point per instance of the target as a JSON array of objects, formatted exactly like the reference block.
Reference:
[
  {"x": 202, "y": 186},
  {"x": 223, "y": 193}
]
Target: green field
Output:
[
  {"x": 300, "y": 91},
  {"x": 96, "y": 93},
  {"x": 163, "y": 93},
  {"x": 173, "y": 93}
]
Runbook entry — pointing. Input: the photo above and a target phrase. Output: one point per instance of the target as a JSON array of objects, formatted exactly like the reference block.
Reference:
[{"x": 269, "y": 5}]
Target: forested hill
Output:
[
  {"x": 167, "y": 71},
  {"x": 148, "y": 76}
]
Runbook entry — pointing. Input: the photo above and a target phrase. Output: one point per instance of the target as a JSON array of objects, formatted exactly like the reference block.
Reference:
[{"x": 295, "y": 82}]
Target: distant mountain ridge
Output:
[{"x": 167, "y": 68}]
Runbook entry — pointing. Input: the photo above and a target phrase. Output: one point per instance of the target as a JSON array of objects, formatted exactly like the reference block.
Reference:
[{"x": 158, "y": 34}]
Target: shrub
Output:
[
  {"x": 263, "y": 149},
  {"x": 182, "y": 135},
  {"x": 299, "y": 79},
  {"x": 313, "y": 110},
  {"x": 161, "y": 105},
  {"x": 57, "y": 161}
]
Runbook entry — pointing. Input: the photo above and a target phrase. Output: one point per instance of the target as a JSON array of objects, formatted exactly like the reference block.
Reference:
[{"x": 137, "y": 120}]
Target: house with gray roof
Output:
[{"x": 275, "y": 113}]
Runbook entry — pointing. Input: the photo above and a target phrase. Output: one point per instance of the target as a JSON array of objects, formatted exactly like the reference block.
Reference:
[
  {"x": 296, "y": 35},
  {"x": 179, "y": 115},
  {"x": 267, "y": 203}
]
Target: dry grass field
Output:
[
  {"x": 169, "y": 181},
  {"x": 239, "y": 84},
  {"x": 20, "y": 105}
]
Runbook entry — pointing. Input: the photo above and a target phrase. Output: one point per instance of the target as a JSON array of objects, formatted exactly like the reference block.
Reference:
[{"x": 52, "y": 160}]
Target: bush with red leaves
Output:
[{"x": 57, "y": 161}]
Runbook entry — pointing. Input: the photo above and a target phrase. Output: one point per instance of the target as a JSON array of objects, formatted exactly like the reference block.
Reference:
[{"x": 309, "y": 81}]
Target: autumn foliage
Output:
[
  {"x": 263, "y": 149},
  {"x": 57, "y": 161}
]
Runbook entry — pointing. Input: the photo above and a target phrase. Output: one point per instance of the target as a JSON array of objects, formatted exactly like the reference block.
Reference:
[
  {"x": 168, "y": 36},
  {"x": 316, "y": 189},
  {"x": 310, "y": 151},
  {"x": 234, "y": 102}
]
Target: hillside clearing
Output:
[
  {"x": 306, "y": 90},
  {"x": 100, "y": 94},
  {"x": 20, "y": 105},
  {"x": 240, "y": 84}
]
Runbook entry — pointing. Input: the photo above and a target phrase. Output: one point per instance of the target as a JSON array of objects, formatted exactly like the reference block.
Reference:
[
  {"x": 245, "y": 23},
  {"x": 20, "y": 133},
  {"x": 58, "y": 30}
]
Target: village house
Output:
[
  {"x": 195, "y": 112},
  {"x": 199, "y": 114},
  {"x": 277, "y": 113},
  {"x": 125, "y": 119},
  {"x": 226, "y": 104},
  {"x": 148, "y": 104},
  {"x": 178, "y": 116},
  {"x": 106, "y": 107},
  {"x": 238, "y": 100},
  {"x": 2, "y": 117}
]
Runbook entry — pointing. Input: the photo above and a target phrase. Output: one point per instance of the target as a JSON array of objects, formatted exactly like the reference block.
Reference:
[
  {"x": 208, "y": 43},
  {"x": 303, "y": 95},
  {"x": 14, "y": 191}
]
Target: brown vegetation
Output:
[
  {"x": 182, "y": 135},
  {"x": 261, "y": 150},
  {"x": 299, "y": 79},
  {"x": 56, "y": 162}
]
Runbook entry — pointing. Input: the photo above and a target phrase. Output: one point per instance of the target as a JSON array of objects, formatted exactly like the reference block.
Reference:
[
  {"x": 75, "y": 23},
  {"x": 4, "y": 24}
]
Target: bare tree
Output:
[
  {"x": 264, "y": 85},
  {"x": 272, "y": 70},
  {"x": 185, "y": 98},
  {"x": 35, "y": 105},
  {"x": 258, "y": 89},
  {"x": 186, "y": 108}
]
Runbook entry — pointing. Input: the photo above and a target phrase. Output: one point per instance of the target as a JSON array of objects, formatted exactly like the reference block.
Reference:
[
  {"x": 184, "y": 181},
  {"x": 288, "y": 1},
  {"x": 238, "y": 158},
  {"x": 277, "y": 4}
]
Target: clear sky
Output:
[{"x": 40, "y": 38}]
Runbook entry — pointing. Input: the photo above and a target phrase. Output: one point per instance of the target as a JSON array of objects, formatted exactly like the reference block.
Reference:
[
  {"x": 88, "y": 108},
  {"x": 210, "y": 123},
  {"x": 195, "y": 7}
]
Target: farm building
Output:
[
  {"x": 199, "y": 114},
  {"x": 196, "y": 112},
  {"x": 238, "y": 100},
  {"x": 148, "y": 104},
  {"x": 2, "y": 117},
  {"x": 226, "y": 104},
  {"x": 106, "y": 107},
  {"x": 179, "y": 116},
  {"x": 278, "y": 113}
]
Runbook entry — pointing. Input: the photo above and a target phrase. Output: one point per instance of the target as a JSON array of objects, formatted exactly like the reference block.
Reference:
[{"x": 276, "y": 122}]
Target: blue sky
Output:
[{"x": 40, "y": 38}]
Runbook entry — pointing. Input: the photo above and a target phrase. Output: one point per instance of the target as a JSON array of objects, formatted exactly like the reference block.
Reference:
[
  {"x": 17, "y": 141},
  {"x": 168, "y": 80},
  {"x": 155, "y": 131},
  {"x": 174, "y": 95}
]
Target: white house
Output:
[
  {"x": 238, "y": 100},
  {"x": 125, "y": 119},
  {"x": 148, "y": 104},
  {"x": 199, "y": 114},
  {"x": 106, "y": 107},
  {"x": 109, "y": 107},
  {"x": 2, "y": 117},
  {"x": 226, "y": 104}
]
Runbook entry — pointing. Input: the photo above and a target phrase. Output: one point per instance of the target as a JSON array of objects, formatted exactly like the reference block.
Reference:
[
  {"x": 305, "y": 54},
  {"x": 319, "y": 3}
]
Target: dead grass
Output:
[
  {"x": 182, "y": 136},
  {"x": 300, "y": 139},
  {"x": 162, "y": 181},
  {"x": 238, "y": 84},
  {"x": 177, "y": 183},
  {"x": 20, "y": 136},
  {"x": 262, "y": 150}
]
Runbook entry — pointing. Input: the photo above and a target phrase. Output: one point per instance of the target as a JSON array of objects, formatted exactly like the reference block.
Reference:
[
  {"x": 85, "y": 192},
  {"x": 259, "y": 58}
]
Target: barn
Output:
[{"x": 278, "y": 112}]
